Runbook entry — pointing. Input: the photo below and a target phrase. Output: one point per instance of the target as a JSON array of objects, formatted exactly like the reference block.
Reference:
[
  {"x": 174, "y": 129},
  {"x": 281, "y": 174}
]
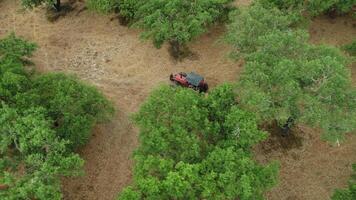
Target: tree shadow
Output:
[
  {"x": 277, "y": 141},
  {"x": 53, "y": 15}
]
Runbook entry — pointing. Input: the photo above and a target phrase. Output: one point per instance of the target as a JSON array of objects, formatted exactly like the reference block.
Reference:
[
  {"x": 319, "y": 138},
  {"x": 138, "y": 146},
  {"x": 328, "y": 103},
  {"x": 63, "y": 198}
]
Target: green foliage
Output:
[
  {"x": 34, "y": 3},
  {"x": 285, "y": 4},
  {"x": 196, "y": 147},
  {"x": 350, "y": 192},
  {"x": 41, "y": 120},
  {"x": 15, "y": 48},
  {"x": 126, "y": 8},
  {"x": 314, "y": 7},
  {"x": 177, "y": 21},
  {"x": 13, "y": 77},
  {"x": 350, "y": 48},
  {"x": 73, "y": 106},
  {"x": 317, "y": 7},
  {"x": 249, "y": 24},
  {"x": 286, "y": 77},
  {"x": 103, "y": 6},
  {"x": 129, "y": 9},
  {"x": 41, "y": 155},
  {"x": 174, "y": 21}
]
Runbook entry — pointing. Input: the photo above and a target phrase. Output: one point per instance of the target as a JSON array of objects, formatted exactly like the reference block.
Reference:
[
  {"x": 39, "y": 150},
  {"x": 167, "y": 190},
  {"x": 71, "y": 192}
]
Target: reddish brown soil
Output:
[{"x": 97, "y": 49}]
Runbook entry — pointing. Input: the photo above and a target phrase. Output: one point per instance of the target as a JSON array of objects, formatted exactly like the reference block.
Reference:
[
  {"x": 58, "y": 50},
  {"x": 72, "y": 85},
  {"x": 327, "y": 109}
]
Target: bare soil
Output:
[{"x": 112, "y": 57}]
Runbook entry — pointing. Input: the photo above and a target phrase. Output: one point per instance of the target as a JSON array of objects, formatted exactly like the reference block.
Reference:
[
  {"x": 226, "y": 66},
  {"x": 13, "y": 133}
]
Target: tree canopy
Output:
[
  {"x": 248, "y": 24},
  {"x": 43, "y": 117},
  {"x": 177, "y": 21},
  {"x": 285, "y": 77},
  {"x": 196, "y": 147},
  {"x": 174, "y": 21},
  {"x": 315, "y": 7}
]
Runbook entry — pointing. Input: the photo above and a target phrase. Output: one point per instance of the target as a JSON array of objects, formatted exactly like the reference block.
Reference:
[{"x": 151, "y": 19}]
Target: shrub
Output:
[
  {"x": 177, "y": 21},
  {"x": 249, "y": 24},
  {"x": 315, "y": 7},
  {"x": 350, "y": 48},
  {"x": 34, "y": 3},
  {"x": 73, "y": 106},
  {"x": 41, "y": 120},
  {"x": 196, "y": 147},
  {"x": 307, "y": 83},
  {"x": 103, "y": 6}
]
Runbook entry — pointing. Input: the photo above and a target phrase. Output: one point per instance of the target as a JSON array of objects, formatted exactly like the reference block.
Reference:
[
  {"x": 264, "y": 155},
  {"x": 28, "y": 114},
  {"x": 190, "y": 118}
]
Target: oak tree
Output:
[
  {"x": 42, "y": 119},
  {"x": 196, "y": 147}
]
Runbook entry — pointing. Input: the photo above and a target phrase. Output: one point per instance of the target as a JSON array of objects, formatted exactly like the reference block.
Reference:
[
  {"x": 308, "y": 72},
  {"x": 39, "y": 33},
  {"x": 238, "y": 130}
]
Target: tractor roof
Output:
[{"x": 194, "y": 78}]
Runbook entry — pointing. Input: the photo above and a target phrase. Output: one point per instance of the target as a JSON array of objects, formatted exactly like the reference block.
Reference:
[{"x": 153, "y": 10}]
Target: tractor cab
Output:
[{"x": 190, "y": 80}]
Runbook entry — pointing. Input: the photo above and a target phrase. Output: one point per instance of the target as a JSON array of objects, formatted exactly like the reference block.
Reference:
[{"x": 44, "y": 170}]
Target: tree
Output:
[
  {"x": 350, "y": 192},
  {"x": 33, "y": 3},
  {"x": 290, "y": 79},
  {"x": 103, "y": 6},
  {"x": 196, "y": 147},
  {"x": 42, "y": 118},
  {"x": 13, "y": 78},
  {"x": 350, "y": 48},
  {"x": 41, "y": 155},
  {"x": 73, "y": 106},
  {"x": 177, "y": 21},
  {"x": 249, "y": 24},
  {"x": 287, "y": 80},
  {"x": 174, "y": 21},
  {"x": 315, "y": 7}
]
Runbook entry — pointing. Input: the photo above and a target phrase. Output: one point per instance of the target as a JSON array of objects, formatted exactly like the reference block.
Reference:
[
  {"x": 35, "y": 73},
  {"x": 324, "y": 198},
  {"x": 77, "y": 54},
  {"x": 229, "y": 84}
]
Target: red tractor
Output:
[{"x": 190, "y": 80}]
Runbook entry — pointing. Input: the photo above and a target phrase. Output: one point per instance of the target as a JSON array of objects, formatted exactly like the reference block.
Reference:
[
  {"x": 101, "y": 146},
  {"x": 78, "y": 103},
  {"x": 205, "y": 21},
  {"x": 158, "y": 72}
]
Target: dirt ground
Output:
[{"x": 97, "y": 49}]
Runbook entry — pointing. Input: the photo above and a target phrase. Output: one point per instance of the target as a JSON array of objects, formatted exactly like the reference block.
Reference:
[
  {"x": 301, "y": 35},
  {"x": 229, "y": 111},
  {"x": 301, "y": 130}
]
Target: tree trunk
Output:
[
  {"x": 175, "y": 48},
  {"x": 287, "y": 126},
  {"x": 57, "y": 5}
]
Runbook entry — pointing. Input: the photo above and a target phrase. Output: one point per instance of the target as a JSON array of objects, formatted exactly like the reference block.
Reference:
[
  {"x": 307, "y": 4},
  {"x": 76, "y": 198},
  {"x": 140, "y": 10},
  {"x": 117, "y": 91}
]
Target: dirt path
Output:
[{"x": 110, "y": 56}]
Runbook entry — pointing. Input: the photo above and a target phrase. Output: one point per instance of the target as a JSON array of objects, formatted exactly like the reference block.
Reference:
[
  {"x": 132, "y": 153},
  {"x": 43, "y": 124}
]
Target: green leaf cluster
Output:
[
  {"x": 350, "y": 48},
  {"x": 177, "y": 20},
  {"x": 197, "y": 147},
  {"x": 248, "y": 24},
  {"x": 103, "y": 6},
  {"x": 34, "y": 3},
  {"x": 286, "y": 77},
  {"x": 42, "y": 119}
]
